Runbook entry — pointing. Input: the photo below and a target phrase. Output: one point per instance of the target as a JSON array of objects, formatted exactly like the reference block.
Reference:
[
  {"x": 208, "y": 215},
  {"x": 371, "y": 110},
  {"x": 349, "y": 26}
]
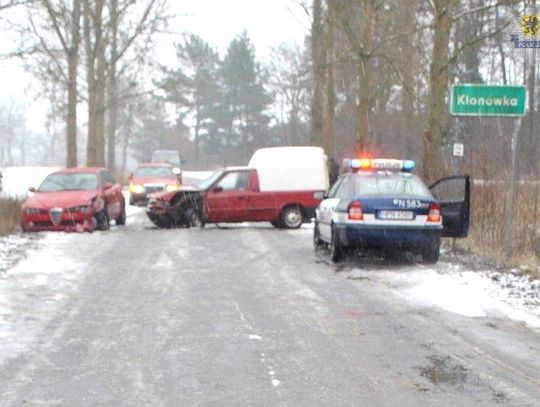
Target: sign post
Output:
[{"x": 495, "y": 100}]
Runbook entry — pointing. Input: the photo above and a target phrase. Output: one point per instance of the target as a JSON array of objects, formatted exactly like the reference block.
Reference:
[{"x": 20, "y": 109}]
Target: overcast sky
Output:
[{"x": 267, "y": 22}]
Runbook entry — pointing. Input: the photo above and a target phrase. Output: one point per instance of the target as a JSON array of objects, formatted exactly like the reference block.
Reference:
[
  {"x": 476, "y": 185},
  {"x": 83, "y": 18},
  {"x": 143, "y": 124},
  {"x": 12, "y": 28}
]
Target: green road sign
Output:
[{"x": 487, "y": 100}]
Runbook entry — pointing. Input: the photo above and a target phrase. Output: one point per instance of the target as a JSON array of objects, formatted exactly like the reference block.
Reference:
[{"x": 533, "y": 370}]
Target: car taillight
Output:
[
  {"x": 434, "y": 214},
  {"x": 355, "y": 211}
]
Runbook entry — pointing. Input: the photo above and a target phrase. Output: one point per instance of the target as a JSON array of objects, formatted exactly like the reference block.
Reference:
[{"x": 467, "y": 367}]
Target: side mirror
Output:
[
  {"x": 107, "y": 185},
  {"x": 219, "y": 188},
  {"x": 32, "y": 189}
]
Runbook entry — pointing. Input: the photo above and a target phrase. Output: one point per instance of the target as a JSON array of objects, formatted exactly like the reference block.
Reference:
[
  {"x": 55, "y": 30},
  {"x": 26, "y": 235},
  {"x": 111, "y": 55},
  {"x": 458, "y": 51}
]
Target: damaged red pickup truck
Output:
[{"x": 285, "y": 195}]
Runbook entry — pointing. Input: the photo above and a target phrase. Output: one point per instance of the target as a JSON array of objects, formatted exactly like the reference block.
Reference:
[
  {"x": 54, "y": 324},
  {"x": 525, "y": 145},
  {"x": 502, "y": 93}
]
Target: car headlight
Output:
[
  {"x": 136, "y": 189},
  {"x": 81, "y": 208},
  {"x": 173, "y": 187}
]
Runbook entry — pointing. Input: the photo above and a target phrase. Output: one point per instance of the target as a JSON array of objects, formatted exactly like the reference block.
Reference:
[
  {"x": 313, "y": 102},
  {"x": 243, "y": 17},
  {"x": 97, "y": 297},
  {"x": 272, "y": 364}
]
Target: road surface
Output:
[{"x": 244, "y": 315}]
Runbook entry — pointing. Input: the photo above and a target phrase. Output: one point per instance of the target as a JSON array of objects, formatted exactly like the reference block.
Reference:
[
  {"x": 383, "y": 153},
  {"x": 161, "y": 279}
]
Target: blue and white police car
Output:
[{"x": 380, "y": 204}]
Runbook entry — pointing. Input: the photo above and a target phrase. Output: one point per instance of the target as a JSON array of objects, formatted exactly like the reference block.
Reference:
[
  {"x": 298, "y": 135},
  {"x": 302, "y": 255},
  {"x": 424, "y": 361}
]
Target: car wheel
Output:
[
  {"x": 122, "y": 219},
  {"x": 291, "y": 217},
  {"x": 430, "y": 254},
  {"x": 163, "y": 223},
  {"x": 336, "y": 251},
  {"x": 131, "y": 201},
  {"x": 317, "y": 242},
  {"x": 102, "y": 220},
  {"x": 193, "y": 218}
]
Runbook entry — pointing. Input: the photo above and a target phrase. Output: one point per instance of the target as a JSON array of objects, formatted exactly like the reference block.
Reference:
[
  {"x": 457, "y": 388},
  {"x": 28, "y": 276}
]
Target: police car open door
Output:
[{"x": 454, "y": 196}]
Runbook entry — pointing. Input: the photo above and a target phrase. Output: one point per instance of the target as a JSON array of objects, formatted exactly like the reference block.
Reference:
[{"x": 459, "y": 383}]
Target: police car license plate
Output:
[{"x": 396, "y": 215}]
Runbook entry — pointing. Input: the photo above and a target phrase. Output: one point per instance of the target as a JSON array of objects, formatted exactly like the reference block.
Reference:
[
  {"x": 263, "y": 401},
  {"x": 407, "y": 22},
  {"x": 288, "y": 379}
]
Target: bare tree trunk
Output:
[
  {"x": 112, "y": 99},
  {"x": 532, "y": 139},
  {"x": 330, "y": 108},
  {"x": 100, "y": 111},
  {"x": 93, "y": 42},
  {"x": 197, "y": 128},
  {"x": 70, "y": 47},
  {"x": 317, "y": 56},
  {"x": 127, "y": 136},
  {"x": 438, "y": 83},
  {"x": 73, "y": 62},
  {"x": 364, "y": 78}
]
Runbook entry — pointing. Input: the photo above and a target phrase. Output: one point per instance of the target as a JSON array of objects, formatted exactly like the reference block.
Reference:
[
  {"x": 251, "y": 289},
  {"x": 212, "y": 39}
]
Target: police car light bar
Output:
[{"x": 378, "y": 164}]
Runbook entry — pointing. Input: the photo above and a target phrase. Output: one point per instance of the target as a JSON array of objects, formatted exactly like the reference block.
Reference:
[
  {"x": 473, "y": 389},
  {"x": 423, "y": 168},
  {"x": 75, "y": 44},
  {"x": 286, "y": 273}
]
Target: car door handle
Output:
[{"x": 241, "y": 197}]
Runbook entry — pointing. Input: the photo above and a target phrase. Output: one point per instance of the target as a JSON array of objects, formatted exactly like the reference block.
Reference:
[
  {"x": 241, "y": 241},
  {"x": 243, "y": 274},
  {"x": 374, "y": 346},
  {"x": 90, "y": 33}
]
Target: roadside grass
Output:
[
  {"x": 10, "y": 215},
  {"x": 487, "y": 229}
]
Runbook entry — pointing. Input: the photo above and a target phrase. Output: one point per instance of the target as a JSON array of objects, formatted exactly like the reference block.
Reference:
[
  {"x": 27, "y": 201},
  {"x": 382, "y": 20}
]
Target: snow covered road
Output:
[{"x": 251, "y": 315}]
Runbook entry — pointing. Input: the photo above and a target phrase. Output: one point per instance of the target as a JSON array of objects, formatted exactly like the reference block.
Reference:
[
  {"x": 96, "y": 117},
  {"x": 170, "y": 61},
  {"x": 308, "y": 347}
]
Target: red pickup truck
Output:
[{"x": 234, "y": 195}]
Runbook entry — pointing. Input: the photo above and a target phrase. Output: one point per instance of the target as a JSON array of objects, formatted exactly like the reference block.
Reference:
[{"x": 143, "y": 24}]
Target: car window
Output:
[
  {"x": 208, "y": 182},
  {"x": 69, "y": 182},
  {"x": 234, "y": 181},
  {"x": 450, "y": 190},
  {"x": 388, "y": 184},
  {"x": 165, "y": 172},
  {"x": 333, "y": 191}
]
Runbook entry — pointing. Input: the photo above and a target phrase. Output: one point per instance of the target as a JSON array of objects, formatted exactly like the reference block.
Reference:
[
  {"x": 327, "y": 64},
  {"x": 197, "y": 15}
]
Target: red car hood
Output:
[
  {"x": 167, "y": 196},
  {"x": 60, "y": 199},
  {"x": 154, "y": 180}
]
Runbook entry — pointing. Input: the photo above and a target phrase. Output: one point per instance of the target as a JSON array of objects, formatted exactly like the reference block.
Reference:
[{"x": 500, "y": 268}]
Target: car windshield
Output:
[
  {"x": 386, "y": 185},
  {"x": 69, "y": 182},
  {"x": 207, "y": 183},
  {"x": 165, "y": 172},
  {"x": 166, "y": 156}
]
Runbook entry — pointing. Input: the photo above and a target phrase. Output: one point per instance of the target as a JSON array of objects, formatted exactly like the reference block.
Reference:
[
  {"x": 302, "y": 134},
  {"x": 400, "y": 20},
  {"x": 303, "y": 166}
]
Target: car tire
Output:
[
  {"x": 121, "y": 221},
  {"x": 317, "y": 241},
  {"x": 291, "y": 217},
  {"x": 193, "y": 218},
  {"x": 277, "y": 224},
  {"x": 102, "y": 220},
  {"x": 430, "y": 254},
  {"x": 131, "y": 201},
  {"x": 336, "y": 250},
  {"x": 163, "y": 223}
]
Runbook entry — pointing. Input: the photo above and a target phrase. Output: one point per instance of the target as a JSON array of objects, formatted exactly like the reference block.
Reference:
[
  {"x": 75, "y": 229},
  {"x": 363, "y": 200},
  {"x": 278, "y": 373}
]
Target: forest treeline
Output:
[{"x": 372, "y": 77}]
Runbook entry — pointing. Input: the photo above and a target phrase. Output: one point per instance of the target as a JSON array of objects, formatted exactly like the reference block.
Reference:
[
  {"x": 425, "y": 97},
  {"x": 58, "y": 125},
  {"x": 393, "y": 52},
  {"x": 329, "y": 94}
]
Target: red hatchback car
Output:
[
  {"x": 85, "y": 198},
  {"x": 151, "y": 178}
]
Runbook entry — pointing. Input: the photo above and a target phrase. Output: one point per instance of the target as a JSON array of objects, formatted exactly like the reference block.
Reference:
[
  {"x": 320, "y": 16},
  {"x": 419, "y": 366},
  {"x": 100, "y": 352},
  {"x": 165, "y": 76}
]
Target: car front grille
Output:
[
  {"x": 47, "y": 223},
  {"x": 153, "y": 188}
]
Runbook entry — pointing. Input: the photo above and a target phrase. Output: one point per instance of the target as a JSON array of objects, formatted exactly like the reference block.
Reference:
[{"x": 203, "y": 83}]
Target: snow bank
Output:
[
  {"x": 17, "y": 180},
  {"x": 468, "y": 293}
]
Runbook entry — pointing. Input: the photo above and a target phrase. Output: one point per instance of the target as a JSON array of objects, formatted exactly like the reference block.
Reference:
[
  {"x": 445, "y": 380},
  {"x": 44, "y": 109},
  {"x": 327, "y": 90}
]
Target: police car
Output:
[{"x": 380, "y": 204}]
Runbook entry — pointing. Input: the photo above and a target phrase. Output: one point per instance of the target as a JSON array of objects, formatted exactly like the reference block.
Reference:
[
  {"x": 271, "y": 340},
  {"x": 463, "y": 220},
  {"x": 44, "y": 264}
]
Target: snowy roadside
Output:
[
  {"x": 457, "y": 283},
  {"x": 460, "y": 289},
  {"x": 35, "y": 289},
  {"x": 14, "y": 247}
]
